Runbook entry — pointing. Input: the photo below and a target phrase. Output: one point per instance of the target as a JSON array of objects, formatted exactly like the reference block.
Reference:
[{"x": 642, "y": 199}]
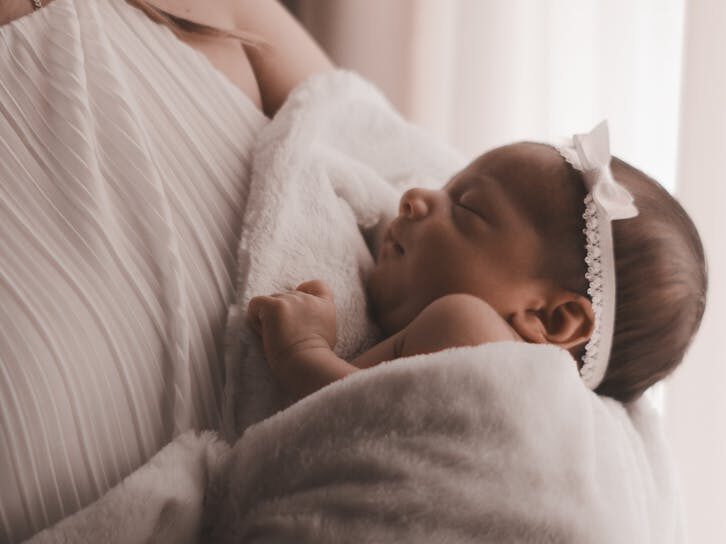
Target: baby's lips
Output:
[
  {"x": 388, "y": 237},
  {"x": 392, "y": 239}
]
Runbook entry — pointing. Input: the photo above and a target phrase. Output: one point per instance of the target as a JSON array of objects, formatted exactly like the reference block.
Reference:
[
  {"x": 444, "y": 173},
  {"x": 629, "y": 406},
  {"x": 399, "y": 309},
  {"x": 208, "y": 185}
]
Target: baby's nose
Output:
[{"x": 415, "y": 204}]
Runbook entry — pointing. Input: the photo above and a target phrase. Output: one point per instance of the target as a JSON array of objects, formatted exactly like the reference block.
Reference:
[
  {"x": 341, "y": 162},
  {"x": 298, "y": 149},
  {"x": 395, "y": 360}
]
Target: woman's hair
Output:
[
  {"x": 185, "y": 27},
  {"x": 660, "y": 273}
]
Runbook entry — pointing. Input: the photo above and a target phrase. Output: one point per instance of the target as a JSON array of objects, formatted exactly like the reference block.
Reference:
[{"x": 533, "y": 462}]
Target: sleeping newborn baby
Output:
[{"x": 524, "y": 244}]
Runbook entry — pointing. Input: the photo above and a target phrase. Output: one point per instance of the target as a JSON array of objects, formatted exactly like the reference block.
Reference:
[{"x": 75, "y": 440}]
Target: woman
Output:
[{"x": 124, "y": 160}]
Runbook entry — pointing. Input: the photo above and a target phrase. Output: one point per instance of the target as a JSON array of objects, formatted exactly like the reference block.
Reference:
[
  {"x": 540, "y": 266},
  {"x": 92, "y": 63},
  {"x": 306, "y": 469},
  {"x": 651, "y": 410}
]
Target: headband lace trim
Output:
[{"x": 605, "y": 202}]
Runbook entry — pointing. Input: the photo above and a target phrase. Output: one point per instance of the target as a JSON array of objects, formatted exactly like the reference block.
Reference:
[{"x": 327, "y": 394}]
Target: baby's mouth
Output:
[{"x": 398, "y": 248}]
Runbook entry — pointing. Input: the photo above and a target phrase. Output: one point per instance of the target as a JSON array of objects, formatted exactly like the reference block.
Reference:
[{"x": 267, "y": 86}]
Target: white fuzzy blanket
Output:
[{"x": 496, "y": 443}]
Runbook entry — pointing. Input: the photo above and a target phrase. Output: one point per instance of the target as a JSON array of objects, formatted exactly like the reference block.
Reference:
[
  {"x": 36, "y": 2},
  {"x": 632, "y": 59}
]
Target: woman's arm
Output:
[
  {"x": 14, "y": 9},
  {"x": 288, "y": 54}
]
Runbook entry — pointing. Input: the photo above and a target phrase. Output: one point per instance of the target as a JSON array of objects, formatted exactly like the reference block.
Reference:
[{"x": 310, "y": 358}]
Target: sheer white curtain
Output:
[
  {"x": 696, "y": 403},
  {"x": 485, "y": 72}
]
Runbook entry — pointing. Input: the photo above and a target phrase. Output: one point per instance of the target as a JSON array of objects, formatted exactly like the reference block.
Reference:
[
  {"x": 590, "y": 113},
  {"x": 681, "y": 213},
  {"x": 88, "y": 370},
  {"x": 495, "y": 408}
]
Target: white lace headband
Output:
[{"x": 605, "y": 202}]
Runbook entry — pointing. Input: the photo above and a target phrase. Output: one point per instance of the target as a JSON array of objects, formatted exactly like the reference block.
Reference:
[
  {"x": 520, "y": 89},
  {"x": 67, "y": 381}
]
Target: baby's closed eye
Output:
[{"x": 471, "y": 208}]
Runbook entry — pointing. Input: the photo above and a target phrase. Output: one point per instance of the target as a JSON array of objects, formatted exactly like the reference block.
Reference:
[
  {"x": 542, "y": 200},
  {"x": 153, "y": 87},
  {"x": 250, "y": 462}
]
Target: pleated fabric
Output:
[{"x": 124, "y": 164}]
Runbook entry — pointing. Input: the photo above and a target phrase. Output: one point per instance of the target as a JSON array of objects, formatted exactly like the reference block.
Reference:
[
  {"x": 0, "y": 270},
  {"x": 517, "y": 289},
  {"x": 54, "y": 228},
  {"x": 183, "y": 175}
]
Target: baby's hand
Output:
[{"x": 294, "y": 322}]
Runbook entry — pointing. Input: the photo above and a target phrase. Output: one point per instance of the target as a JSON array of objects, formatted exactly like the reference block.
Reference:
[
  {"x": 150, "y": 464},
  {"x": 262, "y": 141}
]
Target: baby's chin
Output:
[
  {"x": 376, "y": 299},
  {"x": 389, "y": 317},
  {"x": 371, "y": 293},
  {"x": 375, "y": 238}
]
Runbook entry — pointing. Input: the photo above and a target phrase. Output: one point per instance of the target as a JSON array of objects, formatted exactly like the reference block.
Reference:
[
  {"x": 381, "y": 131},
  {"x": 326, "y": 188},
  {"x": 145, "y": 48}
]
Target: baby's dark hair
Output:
[
  {"x": 662, "y": 281},
  {"x": 660, "y": 273}
]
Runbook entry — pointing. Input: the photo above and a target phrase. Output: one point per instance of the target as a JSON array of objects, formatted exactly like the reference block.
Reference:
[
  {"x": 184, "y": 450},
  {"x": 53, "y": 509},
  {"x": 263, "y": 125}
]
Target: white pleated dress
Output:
[{"x": 124, "y": 162}]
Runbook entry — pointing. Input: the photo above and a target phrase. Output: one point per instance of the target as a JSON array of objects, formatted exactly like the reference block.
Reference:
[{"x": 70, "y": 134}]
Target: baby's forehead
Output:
[
  {"x": 520, "y": 162},
  {"x": 532, "y": 177},
  {"x": 522, "y": 170}
]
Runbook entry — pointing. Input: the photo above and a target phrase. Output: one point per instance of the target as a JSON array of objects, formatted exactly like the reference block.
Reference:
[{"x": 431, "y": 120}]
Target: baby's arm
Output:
[{"x": 298, "y": 333}]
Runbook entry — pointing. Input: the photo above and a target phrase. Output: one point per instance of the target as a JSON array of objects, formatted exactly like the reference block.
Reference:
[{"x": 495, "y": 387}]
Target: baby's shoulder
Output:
[{"x": 455, "y": 320}]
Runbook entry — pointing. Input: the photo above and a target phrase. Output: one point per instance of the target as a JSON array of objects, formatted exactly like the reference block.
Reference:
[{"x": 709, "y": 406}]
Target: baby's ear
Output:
[{"x": 566, "y": 319}]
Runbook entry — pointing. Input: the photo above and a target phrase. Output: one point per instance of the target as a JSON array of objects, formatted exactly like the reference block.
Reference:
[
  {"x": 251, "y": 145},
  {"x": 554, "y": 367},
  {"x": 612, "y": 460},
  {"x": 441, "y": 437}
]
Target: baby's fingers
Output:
[
  {"x": 316, "y": 287},
  {"x": 256, "y": 312}
]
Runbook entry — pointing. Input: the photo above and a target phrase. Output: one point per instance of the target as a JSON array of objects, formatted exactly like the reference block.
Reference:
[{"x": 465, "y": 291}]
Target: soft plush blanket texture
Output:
[{"x": 494, "y": 443}]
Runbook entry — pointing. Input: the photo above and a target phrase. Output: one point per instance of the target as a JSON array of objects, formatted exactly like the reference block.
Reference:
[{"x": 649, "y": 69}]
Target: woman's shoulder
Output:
[
  {"x": 217, "y": 13},
  {"x": 455, "y": 320},
  {"x": 214, "y": 13}
]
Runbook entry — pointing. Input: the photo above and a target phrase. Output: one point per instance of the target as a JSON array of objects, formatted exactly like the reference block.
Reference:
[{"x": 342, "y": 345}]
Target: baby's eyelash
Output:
[
  {"x": 470, "y": 210},
  {"x": 465, "y": 207},
  {"x": 456, "y": 200}
]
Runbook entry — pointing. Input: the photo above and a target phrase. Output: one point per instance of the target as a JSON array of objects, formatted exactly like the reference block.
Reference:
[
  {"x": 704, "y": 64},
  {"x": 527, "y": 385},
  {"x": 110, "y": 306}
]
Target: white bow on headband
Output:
[
  {"x": 593, "y": 152},
  {"x": 606, "y": 201}
]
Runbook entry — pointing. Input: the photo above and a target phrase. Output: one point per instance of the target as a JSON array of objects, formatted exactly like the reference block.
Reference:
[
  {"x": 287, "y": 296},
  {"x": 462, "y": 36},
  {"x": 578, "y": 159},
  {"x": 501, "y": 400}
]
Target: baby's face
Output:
[{"x": 472, "y": 236}]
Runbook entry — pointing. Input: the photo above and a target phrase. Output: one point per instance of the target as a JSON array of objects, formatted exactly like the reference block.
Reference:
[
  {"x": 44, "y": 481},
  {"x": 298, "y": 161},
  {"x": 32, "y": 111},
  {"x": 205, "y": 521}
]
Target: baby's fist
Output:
[
  {"x": 295, "y": 321},
  {"x": 322, "y": 308}
]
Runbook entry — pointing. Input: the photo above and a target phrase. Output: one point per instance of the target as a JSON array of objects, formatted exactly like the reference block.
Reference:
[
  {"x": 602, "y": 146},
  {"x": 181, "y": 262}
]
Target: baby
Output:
[{"x": 524, "y": 244}]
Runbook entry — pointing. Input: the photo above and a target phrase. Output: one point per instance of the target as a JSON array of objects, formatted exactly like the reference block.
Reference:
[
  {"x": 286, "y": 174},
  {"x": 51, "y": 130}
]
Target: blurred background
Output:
[{"x": 482, "y": 73}]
